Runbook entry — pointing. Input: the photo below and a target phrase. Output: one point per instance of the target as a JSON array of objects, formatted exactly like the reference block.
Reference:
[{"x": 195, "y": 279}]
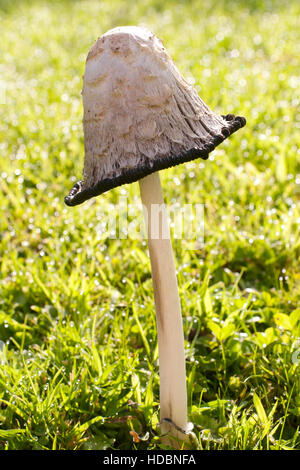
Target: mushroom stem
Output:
[{"x": 173, "y": 395}]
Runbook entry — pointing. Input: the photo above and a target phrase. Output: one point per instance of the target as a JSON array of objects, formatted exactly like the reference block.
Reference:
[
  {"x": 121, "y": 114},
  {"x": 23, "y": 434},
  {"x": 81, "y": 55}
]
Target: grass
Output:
[{"x": 77, "y": 325}]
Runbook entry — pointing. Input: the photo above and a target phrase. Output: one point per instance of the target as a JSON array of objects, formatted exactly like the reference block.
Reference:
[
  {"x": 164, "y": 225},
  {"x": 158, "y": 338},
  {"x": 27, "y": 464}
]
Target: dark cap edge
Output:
[{"x": 77, "y": 195}]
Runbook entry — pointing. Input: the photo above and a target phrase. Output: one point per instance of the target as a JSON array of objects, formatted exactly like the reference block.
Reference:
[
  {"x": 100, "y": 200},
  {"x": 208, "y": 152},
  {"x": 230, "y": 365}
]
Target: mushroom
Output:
[{"x": 142, "y": 116}]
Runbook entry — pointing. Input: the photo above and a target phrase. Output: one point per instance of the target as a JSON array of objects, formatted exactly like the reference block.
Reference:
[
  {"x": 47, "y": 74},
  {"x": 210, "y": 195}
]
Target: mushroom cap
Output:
[{"x": 140, "y": 114}]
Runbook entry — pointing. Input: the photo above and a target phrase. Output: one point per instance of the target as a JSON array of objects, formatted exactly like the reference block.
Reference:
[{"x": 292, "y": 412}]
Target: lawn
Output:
[{"x": 78, "y": 348}]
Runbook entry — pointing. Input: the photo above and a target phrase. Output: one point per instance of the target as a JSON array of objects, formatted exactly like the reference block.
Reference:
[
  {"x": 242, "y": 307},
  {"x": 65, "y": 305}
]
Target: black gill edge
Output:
[{"x": 77, "y": 195}]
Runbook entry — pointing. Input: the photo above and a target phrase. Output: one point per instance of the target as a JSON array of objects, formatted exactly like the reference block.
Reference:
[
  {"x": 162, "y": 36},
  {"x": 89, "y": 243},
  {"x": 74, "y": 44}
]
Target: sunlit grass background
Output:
[{"x": 78, "y": 355}]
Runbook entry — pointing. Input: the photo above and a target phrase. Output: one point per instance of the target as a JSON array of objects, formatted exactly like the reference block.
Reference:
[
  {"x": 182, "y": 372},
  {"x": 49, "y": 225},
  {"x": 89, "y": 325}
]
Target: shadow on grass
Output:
[{"x": 261, "y": 266}]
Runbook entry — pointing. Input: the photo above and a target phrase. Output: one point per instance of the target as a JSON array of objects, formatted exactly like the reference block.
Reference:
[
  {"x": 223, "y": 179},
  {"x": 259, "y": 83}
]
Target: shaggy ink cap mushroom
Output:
[{"x": 140, "y": 114}]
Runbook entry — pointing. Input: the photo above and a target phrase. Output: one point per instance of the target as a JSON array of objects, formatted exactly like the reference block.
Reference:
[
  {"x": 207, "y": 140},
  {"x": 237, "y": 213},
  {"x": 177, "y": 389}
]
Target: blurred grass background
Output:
[{"x": 78, "y": 356}]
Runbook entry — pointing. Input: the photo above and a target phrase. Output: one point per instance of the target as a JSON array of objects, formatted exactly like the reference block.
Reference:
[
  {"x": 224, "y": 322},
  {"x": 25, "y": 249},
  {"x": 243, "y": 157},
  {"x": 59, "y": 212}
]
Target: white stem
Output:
[{"x": 173, "y": 396}]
